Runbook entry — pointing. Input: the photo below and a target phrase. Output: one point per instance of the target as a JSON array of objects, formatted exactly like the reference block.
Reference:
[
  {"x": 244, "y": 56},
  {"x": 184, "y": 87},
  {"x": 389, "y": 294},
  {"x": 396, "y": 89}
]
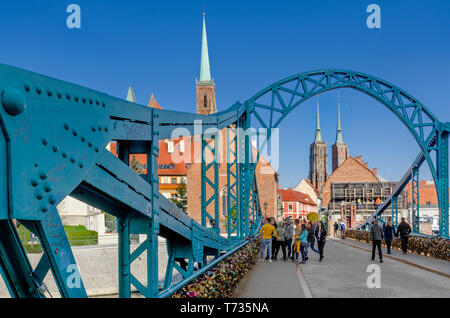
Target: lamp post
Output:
[{"x": 265, "y": 211}]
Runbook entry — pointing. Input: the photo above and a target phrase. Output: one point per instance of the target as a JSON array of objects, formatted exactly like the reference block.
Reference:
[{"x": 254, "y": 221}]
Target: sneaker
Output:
[
  {"x": 270, "y": 261},
  {"x": 381, "y": 261},
  {"x": 261, "y": 260},
  {"x": 307, "y": 258},
  {"x": 372, "y": 259}
]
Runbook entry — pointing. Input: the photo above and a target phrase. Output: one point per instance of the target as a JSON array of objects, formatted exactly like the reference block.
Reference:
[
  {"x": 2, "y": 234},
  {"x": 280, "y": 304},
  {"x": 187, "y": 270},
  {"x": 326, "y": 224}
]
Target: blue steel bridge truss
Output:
[{"x": 53, "y": 138}]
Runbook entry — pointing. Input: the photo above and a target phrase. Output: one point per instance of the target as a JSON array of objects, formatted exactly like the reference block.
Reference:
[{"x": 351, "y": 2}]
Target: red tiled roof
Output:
[
  {"x": 289, "y": 195},
  {"x": 153, "y": 103}
]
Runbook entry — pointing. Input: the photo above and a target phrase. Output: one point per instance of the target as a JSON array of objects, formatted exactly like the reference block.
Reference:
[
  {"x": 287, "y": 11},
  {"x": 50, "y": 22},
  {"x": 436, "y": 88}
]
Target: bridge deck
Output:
[{"x": 343, "y": 273}]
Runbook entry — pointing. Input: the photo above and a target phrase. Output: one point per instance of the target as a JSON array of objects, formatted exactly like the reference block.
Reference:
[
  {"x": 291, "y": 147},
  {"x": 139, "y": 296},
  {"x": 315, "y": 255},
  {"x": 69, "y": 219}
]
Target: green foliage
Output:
[
  {"x": 110, "y": 223},
  {"x": 312, "y": 217},
  {"x": 79, "y": 235},
  {"x": 33, "y": 248},
  {"x": 181, "y": 200},
  {"x": 136, "y": 166}
]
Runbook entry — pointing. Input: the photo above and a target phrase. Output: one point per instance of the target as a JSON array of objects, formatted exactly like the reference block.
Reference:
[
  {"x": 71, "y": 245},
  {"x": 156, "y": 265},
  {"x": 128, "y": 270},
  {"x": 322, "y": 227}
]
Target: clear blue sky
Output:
[{"x": 154, "y": 46}]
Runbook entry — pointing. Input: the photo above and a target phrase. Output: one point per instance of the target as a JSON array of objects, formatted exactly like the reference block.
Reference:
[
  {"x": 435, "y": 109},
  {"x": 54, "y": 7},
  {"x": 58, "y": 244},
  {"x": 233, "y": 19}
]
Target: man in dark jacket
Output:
[
  {"x": 376, "y": 235},
  {"x": 321, "y": 236},
  {"x": 311, "y": 238},
  {"x": 404, "y": 229}
]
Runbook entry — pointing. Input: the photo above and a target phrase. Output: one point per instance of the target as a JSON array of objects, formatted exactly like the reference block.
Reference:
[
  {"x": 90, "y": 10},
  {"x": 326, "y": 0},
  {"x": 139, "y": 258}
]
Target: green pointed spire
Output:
[
  {"x": 205, "y": 73},
  {"x": 339, "y": 139},
  {"x": 318, "y": 134},
  {"x": 130, "y": 95}
]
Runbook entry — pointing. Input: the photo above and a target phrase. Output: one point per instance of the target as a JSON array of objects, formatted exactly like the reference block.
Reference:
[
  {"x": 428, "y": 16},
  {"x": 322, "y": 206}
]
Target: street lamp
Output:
[{"x": 265, "y": 210}]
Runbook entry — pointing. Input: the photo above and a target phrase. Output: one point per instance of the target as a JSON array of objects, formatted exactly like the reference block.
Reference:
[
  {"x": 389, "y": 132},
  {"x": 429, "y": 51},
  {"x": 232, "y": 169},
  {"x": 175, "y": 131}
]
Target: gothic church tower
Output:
[
  {"x": 318, "y": 158},
  {"x": 339, "y": 149},
  {"x": 206, "y": 89}
]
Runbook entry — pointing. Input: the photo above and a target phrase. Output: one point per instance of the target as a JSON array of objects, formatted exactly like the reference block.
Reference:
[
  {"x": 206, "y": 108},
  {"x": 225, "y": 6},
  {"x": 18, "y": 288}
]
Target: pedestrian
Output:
[
  {"x": 288, "y": 236},
  {"x": 336, "y": 229},
  {"x": 274, "y": 240},
  {"x": 389, "y": 233},
  {"x": 296, "y": 234},
  {"x": 280, "y": 241},
  {"x": 321, "y": 235},
  {"x": 303, "y": 240},
  {"x": 311, "y": 239},
  {"x": 376, "y": 235},
  {"x": 404, "y": 229},
  {"x": 342, "y": 228},
  {"x": 267, "y": 231}
]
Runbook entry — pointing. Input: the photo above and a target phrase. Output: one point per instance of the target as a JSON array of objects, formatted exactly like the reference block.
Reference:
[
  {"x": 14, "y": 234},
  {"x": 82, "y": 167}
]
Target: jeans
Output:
[
  {"x": 388, "y": 246},
  {"x": 376, "y": 244},
  {"x": 321, "y": 245},
  {"x": 266, "y": 243},
  {"x": 279, "y": 244},
  {"x": 289, "y": 247},
  {"x": 311, "y": 244},
  {"x": 303, "y": 251},
  {"x": 404, "y": 243}
]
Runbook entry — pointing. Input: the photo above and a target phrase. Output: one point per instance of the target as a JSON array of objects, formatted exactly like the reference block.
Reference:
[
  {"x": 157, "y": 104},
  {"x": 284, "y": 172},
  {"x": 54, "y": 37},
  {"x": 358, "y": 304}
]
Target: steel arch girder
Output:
[{"x": 420, "y": 121}]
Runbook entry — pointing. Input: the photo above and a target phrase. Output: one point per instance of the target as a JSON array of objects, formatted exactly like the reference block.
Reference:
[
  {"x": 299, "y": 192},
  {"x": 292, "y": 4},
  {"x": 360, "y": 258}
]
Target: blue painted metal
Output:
[
  {"x": 66, "y": 129},
  {"x": 415, "y": 200},
  {"x": 395, "y": 211}
]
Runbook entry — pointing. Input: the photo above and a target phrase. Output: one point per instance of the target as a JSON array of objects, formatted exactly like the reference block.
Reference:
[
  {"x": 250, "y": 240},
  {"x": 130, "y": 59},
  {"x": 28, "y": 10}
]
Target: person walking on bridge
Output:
[
  {"x": 267, "y": 231},
  {"x": 389, "y": 233},
  {"x": 288, "y": 235},
  {"x": 336, "y": 229},
  {"x": 311, "y": 238},
  {"x": 376, "y": 235},
  {"x": 404, "y": 229},
  {"x": 280, "y": 241},
  {"x": 302, "y": 240},
  {"x": 296, "y": 234},
  {"x": 321, "y": 235}
]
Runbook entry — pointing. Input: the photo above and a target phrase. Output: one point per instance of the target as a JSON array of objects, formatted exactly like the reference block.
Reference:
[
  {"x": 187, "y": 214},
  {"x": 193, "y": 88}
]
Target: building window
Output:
[
  {"x": 428, "y": 203},
  {"x": 290, "y": 208},
  {"x": 205, "y": 102},
  {"x": 182, "y": 146},
  {"x": 170, "y": 146},
  {"x": 174, "y": 180}
]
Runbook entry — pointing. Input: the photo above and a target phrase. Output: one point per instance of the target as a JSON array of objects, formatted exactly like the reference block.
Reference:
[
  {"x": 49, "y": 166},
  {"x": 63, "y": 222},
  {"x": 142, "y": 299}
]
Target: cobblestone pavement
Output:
[{"x": 342, "y": 273}]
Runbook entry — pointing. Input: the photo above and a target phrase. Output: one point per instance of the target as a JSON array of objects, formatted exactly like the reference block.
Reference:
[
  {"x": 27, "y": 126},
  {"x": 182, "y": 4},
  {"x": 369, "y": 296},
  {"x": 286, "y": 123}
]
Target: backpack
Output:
[{"x": 342, "y": 226}]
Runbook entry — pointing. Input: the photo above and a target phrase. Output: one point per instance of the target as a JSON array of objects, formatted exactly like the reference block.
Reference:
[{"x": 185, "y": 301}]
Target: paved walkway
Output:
[
  {"x": 434, "y": 264},
  {"x": 343, "y": 273},
  {"x": 278, "y": 279}
]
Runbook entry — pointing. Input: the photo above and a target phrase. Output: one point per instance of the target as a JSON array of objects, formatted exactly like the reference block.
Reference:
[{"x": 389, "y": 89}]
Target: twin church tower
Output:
[{"x": 318, "y": 157}]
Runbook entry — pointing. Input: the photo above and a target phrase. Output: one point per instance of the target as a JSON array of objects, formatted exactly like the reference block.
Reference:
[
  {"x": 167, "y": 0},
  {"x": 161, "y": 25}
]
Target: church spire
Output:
[
  {"x": 339, "y": 139},
  {"x": 318, "y": 134},
  {"x": 205, "y": 73}
]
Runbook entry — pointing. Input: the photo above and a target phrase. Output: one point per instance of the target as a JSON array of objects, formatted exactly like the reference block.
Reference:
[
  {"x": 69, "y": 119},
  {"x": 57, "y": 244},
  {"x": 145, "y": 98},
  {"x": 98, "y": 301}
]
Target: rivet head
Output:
[
  {"x": 43, "y": 175},
  {"x": 52, "y": 199},
  {"x": 44, "y": 207},
  {"x": 39, "y": 194},
  {"x": 34, "y": 181},
  {"x": 47, "y": 188},
  {"x": 13, "y": 101}
]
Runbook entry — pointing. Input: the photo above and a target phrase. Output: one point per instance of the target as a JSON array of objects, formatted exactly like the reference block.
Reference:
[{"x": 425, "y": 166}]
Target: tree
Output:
[
  {"x": 181, "y": 200},
  {"x": 135, "y": 165}
]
